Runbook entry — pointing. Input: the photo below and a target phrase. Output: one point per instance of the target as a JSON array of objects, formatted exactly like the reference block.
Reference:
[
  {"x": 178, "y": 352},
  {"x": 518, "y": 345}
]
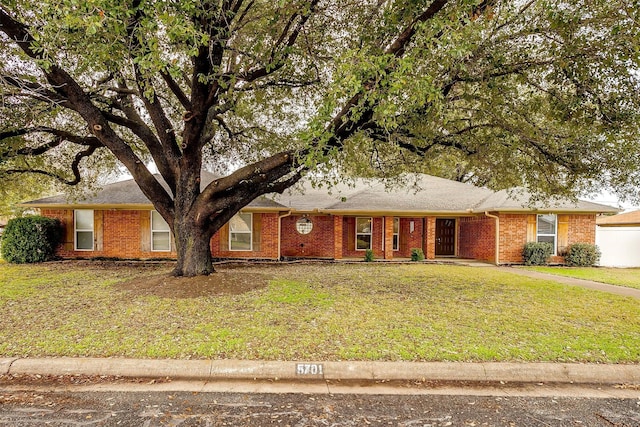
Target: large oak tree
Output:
[{"x": 536, "y": 93}]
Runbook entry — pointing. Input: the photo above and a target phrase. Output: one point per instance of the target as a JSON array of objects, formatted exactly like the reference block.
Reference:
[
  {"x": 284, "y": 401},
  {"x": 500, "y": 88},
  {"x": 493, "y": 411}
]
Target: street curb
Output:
[
  {"x": 5, "y": 365},
  {"x": 212, "y": 370}
]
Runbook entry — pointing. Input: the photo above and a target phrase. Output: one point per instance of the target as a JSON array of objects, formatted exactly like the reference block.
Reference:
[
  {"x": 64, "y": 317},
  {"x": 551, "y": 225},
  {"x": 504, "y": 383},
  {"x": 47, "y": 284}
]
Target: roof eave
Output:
[
  {"x": 546, "y": 210},
  {"x": 94, "y": 206},
  {"x": 127, "y": 207},
  {"x": 381, "y": 212}
]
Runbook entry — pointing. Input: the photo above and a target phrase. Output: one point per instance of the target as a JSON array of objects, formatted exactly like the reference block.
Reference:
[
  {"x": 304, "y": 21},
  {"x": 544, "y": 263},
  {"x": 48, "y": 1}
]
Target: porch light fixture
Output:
[{"x": 304, "y": 225}]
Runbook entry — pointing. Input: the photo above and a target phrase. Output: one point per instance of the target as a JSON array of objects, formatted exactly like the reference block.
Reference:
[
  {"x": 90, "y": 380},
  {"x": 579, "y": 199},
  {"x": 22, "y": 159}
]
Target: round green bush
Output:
[
  {"x": 537, "y": 253},
  {"x": 417, "y": 254},
  {"x": 582, "y": 255},
  {"x": 31, "y": 239}
]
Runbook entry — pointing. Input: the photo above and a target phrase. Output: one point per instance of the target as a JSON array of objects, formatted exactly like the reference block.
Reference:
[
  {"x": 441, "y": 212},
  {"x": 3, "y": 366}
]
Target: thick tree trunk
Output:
[{"x": 194, "y": 250}]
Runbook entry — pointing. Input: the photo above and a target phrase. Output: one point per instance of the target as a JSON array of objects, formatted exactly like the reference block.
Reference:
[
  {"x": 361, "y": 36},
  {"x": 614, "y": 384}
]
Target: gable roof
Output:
[
  {"x": 423, "y": 193},
  {"x": 623, "y": 219},
  {"x": 418, "y": 194}
]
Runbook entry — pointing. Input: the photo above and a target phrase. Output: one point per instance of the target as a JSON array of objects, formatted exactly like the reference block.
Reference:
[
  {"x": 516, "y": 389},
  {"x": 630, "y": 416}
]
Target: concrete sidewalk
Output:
[
  {"x": 212, "y": 370},
  {"x": 589, "y": 284}
]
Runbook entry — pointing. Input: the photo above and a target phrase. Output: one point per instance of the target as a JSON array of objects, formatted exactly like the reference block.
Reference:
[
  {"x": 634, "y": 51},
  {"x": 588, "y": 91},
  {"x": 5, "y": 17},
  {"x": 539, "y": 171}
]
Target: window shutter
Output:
[
  {"x": 563, "y": 232},
  {"x": 145, "y": 231},
  {"x": 351, "y": 233},
  {"x": 224, "y": 237},
  {"x": 256, "y": 232},
  {"x": 69, "y": 229},
  {"x": 98, "y": 230},
  {"x": 532, "y": 228}
]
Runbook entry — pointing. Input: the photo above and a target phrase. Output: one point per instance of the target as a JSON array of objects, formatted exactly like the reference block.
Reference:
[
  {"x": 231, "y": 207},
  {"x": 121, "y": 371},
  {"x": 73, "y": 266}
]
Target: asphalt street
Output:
[{"x": 186, "y": 409}]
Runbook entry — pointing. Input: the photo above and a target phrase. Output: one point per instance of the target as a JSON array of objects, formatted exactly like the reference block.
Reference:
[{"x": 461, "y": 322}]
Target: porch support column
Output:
[
  {"x": 388, "y": 237},
  {"x": 337, "y": 236},
  {"x": 430, "y": 238}
]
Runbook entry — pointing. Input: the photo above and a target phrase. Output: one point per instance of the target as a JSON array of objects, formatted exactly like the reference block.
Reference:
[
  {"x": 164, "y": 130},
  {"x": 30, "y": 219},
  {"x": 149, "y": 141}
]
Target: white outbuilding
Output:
[{"x": 618, "y": 238}]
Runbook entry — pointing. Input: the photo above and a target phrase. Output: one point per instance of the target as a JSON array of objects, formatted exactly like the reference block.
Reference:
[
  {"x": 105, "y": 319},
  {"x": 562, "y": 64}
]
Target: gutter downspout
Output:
[
  {"x": 497, "y": 261},
  {"x": 280, "y": 232}
]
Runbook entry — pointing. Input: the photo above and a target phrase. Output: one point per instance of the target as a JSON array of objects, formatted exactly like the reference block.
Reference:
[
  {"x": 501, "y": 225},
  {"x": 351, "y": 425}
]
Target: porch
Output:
[{"x": 391, "y": 238}]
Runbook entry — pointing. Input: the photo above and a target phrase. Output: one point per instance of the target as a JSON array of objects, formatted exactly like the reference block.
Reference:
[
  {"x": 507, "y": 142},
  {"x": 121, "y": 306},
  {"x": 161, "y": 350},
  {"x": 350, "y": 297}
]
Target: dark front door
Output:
[{"x": 445, "y": 237}]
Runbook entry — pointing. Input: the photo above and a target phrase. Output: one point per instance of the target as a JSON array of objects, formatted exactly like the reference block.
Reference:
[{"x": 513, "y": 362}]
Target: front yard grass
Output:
[
  {"x": 315, "y": 312},
  {"x": 629, "y": 277}
]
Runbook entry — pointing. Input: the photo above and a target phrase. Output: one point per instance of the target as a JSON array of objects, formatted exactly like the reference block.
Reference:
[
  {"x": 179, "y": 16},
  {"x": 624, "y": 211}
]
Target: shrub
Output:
[
  {"x": 368, "y": 255},
  {"x": 582, "y": 255},
  {"x": 417, "y": 254},
  {"x": 537, "y": 253},
  {"x": 30, "y": 239}
]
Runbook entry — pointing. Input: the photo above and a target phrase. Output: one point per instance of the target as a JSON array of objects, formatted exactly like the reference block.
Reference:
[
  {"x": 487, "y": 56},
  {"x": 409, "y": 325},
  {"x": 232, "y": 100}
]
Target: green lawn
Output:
[
  {"x": 315, "y": 312},
  {"x": 629, "y": 277}
]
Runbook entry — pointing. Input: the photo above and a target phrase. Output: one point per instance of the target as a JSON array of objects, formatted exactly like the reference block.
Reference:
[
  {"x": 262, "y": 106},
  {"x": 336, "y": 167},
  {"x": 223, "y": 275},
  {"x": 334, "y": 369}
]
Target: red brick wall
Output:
[
  {"x": 430, "y": 238},
  {"x": 582, "y": 229},
  {"x": 477, "y": 238},
  {"x": 268, "y": 241},
  {"x": 348, "y": 238},
  {"x": 121, "y": 233},
  {"x": 317, "y": 244},
  {"x": 409, "y": 240},
  {"x": 513, "y": 235},
  {"x": 338, "y": 244},
  {"x": 123, "y": 237}
]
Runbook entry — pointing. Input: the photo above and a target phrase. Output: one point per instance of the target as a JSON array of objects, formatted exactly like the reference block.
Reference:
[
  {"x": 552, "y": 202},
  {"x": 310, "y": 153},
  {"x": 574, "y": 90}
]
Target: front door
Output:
[{"x": 445, "y": 237}]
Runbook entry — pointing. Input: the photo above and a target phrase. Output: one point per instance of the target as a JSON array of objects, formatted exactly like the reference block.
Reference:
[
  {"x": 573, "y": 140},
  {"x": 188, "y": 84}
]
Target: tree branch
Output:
[
  {"x": 78, "y": 100},
  {"x": 165, "y": 152},
  {"x": 60, "y": 135},
  {"x": 176, "y": 90},
  {"x": 277, "y": 59},
  {"x": 75, "y": 168},
  {"x": 259, "y": 169},
  {"x": 34, "y": 90}
]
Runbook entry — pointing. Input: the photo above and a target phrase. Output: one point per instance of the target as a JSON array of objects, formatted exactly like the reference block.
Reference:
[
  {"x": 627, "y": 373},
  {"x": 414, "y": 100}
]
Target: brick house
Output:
[{"x": 444, "y": 218}]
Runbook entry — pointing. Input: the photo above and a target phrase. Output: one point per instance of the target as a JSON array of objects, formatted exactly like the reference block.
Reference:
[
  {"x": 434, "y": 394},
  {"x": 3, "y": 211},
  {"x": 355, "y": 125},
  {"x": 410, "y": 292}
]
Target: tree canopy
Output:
[{"x": 542, "y": 94}]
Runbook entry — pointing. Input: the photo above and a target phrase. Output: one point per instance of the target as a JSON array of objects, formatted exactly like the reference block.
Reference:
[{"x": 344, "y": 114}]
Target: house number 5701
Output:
[{"x": 309, "y": 369}]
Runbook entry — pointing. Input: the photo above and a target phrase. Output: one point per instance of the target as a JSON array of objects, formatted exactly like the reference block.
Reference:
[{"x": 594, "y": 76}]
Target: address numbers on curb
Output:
[{"x": 309, "y": 369}]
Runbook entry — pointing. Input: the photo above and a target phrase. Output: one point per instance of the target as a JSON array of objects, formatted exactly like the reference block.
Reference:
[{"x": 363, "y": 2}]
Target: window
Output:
[
  {"x": 240, "y": 237},
  {"x": 396, "y": 234},
  {"x": 160, "y": 233},
  {"x": 363, "y": 233},
  {"x": 83, "y": 224},
  {"x": 547, "y": 229}
]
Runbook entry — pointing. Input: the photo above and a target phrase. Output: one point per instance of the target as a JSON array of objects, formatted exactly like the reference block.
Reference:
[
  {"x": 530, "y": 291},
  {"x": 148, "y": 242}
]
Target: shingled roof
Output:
[
  {"x": 424, "y": 194},
  {"x": 624, "y": 219},
  {"x": 420, "y": 194},
  {"x": 127, "y": 194}
]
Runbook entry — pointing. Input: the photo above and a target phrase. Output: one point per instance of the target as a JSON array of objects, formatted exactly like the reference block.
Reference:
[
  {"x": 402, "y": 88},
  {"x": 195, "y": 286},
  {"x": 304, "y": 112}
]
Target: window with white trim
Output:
[
  {"x": 160, "y": 233},
  {"x": 83, "y": 229},
  {"x": 364, "y": 233},
  {"x": 396, "y": 234},
  {"x": 547, "y": 229},
  {"x": 240, "y": 232}
]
